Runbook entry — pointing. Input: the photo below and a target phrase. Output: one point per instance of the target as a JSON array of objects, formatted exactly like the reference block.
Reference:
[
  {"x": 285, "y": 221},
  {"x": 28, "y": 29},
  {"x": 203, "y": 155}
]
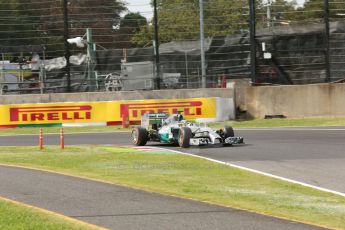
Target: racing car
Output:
[{"x": 173, "y": 129}]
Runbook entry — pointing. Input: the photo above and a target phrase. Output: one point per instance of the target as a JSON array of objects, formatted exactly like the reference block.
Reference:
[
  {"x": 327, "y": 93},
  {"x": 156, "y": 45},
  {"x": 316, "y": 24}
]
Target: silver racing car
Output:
[{"x": 173, "y": 129}]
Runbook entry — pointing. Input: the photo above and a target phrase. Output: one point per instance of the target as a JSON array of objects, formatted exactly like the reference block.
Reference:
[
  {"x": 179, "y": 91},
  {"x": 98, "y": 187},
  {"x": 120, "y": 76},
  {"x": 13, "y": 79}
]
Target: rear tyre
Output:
[
  {"x": 139, "y": 136},
  {"x": 184, "y": 137}
]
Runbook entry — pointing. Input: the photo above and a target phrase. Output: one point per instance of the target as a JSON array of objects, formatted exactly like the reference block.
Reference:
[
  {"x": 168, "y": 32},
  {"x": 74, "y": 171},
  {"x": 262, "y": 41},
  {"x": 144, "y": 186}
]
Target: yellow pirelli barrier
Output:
[{"x": 110, "y": 113}]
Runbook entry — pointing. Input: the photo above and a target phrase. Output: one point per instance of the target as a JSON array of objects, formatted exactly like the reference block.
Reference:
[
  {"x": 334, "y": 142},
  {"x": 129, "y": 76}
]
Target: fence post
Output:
[
  {"x": 66, "y": 44},
  {"x": 156, "y": 48},
  {"x": 327, "y": 54},
  {"x": 252, "y": 33},
  {"x": 202, "y": 45}
]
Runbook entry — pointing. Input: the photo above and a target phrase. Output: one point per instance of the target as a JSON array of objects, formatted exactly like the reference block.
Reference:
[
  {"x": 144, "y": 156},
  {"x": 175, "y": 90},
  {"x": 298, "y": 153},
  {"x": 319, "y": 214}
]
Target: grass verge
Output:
[
  {"x": 187, "y": 177},
  {"x": 15, "y": 216},
  {"x": 283, "y": 122},
  {"x": 258, "y": 123}
]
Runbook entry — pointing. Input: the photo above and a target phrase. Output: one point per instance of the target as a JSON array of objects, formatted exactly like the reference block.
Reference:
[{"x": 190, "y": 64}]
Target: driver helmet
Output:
[{"x": 179, "y": 117}]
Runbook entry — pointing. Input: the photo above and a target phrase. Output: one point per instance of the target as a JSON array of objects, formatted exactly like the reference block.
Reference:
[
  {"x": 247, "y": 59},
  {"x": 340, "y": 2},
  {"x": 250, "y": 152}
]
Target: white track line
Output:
[{"x": 263, "y": 173}]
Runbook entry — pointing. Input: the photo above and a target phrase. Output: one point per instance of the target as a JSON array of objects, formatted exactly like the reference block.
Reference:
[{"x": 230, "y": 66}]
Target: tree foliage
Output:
[
  {"x": 130, "y": 24},
  {"x": 179, "y": 19},
  {"x": 101, "y": 15},
  {"x": 16, "y": 23},
  {"x": 29, "y": 22},
  {"x": 282, "y": 13},
  {"x": 314, "y": 11}
]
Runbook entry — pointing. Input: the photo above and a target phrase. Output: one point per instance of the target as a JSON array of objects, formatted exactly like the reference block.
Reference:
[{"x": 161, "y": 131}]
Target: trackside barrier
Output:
[{"x": 113, "y": 112}]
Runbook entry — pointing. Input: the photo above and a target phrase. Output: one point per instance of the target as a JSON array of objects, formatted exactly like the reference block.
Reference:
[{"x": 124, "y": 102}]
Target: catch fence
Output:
[{"x": 111, "y": 49}]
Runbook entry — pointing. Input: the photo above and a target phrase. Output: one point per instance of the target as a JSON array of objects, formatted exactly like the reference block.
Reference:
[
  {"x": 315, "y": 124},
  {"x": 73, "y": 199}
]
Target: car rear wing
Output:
[{"x": 153, "y": 120}]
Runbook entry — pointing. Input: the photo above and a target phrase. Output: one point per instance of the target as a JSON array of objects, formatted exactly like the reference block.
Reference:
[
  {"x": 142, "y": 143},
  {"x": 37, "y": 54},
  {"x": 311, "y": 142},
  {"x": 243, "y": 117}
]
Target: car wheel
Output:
[
  {"x": 184, "y": 137},
  {"x": 139, "y": 136},
  {"x": 228, "y": 131}
]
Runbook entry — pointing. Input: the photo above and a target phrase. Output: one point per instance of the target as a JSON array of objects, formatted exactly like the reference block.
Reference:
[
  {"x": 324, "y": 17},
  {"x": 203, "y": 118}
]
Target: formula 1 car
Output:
[{"x": 160, "y": 127}]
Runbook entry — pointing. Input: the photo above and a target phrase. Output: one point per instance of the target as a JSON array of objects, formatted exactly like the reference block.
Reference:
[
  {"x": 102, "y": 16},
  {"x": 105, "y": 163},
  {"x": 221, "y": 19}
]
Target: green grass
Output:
[
  {"x": 283, "y": 122},
  {"x": 187, "y": 177},
  {"x": 14, "y": 216},
  {"x": 258, "y": 123}
]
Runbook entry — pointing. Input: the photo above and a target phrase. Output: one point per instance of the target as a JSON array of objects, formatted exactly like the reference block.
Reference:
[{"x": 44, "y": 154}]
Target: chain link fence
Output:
[{"x": 112, "y": 49}]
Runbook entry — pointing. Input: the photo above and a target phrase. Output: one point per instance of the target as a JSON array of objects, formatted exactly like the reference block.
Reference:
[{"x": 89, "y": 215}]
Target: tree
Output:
[
  {"x": 17, "y": 25},
  {"x": 282, "y": 13},
  {"x": 7, "y": 30},
  {"x": 179, "y": 19},
  {"x": 130, "y": 24},
  {"x": 100, "y": 15},
  {"x": 29, "y": 22},
  {"x": 313, "y": 11},
  {"x": 223, "y": 17},
  {"x": 133, "y": 21}
]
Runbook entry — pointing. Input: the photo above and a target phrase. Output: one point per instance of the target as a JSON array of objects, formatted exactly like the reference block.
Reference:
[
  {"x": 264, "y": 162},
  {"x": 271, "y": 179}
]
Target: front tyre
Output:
[
  {"x": 184, "y": 137},
  {"x": 228, "y": 131},
  {"x": 139, "y": 136}
]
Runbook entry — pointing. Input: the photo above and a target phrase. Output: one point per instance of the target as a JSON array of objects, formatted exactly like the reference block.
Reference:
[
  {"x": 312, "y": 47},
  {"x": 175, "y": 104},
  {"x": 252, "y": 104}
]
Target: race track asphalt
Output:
[{"x": 310, "y": 155}]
